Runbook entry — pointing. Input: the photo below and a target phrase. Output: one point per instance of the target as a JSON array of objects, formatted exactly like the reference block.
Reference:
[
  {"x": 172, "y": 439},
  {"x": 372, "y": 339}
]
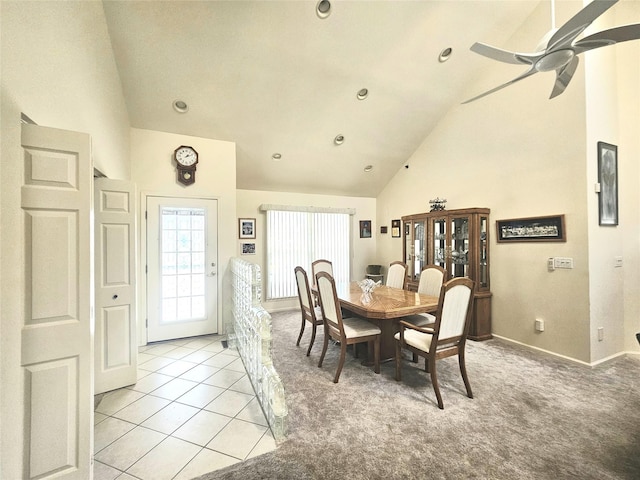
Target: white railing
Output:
[{"x": 249, "y": 330}]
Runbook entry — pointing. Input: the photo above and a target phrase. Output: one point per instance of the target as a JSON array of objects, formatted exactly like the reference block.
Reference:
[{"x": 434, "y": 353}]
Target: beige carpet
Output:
[{"x": 533, "y": 417}]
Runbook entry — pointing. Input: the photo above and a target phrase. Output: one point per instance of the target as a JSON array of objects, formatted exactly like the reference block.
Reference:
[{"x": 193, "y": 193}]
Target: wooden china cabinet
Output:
[{"x": 457, "y": 240}]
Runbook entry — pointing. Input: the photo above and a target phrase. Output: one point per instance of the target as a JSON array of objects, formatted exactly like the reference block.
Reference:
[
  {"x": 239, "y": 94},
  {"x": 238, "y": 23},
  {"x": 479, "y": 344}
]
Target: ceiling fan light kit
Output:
[{"x": 560, "y": 52}]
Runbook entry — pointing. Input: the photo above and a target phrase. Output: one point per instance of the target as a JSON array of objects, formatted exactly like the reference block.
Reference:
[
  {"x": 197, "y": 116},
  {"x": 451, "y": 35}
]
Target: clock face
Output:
[{"x": 186, "y": 156}]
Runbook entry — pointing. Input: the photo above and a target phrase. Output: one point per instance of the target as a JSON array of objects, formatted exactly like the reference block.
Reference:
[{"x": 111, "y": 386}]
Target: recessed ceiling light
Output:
[
  {"x": 323, "y": 8},
  {"x": 363, "y": 93},
  {"x": 445, "y": 54},
  {"x": 180, "y": 106},
  {"x": 368, "y": 168},
  {"x": 276, "y": 157},
  {"x": 339, "y": 140}
]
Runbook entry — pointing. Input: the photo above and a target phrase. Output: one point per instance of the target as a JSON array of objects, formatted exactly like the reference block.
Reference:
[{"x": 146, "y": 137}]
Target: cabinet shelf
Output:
[{"x": 457, "y": 240}]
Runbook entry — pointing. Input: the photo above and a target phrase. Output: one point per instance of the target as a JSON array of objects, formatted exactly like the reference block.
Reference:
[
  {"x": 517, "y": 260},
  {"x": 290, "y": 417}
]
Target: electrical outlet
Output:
[
  {"x": 618, "y": 262},
  {"x": 539, "y": 325},
  {"x": 563, "y": 262},
  {"x": 600, "y": 334}
]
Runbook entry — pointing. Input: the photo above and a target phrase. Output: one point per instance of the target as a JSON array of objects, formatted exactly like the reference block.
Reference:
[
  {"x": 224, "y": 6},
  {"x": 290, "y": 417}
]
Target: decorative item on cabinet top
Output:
[{"x": 437, "y": 204}]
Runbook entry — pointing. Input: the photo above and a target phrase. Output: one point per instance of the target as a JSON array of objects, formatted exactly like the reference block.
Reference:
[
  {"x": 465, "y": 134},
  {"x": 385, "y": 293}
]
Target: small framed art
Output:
[
  {"x": 383, "y": 229},
  {"x": 246, "y": 228},
  {"x": 365, "y": 228},
  {"x": 248, "y": 248},
  {"x": 395, "y": 228}
]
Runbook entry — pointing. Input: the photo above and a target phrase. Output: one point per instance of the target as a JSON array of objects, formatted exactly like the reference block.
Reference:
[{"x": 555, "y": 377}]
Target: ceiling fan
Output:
[{"x": 559, "y": 49}]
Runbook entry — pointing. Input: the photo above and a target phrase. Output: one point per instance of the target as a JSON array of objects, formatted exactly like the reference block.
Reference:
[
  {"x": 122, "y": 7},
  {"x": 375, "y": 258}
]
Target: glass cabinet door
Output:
[
  {"x": 439, "y": 229},
  {"x": 483, "y": 277},
  {"x": 419, "y": 248},
  {"x": 459, "y": 256}
]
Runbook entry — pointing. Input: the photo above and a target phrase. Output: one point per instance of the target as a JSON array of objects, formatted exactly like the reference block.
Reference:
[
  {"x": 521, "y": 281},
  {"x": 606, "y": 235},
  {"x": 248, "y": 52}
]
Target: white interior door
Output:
[
  {"x": 182, "y": 259},
  {"x": 57, "y": 336},
  {"x": 116, "y": 350}
]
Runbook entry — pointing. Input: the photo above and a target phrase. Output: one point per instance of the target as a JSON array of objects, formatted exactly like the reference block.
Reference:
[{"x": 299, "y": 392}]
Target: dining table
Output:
[{"x": 384, "y": 307}]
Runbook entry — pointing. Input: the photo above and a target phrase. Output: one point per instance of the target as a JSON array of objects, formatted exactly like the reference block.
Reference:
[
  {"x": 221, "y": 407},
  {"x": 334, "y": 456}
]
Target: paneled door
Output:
[
  {"x": 182, "y": 267},
  {"x": 57, "y": 332},
  {"x": 116, "y": 346}
]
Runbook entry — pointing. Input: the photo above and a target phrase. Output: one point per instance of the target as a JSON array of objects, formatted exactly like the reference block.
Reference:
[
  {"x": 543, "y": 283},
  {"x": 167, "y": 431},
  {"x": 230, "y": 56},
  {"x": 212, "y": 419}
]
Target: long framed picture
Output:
[
  {"x": 246, "y": 228},
  {"x": 533, "y": 229},
  {"x": 608, "y": 180}
]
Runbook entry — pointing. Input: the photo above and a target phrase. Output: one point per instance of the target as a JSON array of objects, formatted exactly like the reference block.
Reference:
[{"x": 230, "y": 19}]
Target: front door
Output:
[
  {"x": 116, "y": 346},
  {"x": 57, "y": 332},
  {"x": 182, "y": 259}
]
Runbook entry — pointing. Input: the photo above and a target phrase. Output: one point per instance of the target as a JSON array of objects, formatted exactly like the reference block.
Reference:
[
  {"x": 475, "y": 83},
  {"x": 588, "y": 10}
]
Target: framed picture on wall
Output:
[
  {"x": 248, "y": 248},
  {"x": 246, "y": 228},
  {"x": 365, "y": 228},
  {"x": 549, "y": 228},
  {"x": 395, "y": 228},
  {"x": 383, "y": 229},
  {"x": 608, "y": 180}
]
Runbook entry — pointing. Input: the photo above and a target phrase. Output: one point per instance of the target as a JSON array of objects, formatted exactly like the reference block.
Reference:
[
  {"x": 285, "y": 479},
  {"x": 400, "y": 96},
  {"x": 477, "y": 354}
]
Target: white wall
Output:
[
  {"x": 58, "y": 68},
  {"x": 154, "y": 173},
  {"x": 523, "y": 155},
  {"x": 364, "y": 249}
]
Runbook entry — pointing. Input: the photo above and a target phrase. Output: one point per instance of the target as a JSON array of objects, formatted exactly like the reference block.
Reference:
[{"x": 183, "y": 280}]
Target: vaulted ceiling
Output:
[{"x": 274, "y": 77}]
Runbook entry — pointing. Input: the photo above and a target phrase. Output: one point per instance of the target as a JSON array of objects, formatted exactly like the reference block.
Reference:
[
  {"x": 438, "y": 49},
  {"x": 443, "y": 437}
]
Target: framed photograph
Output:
[
  {"x": 608, "y": 180},
  {"x": 246, "y": 228},
  {"x": 365, "y": 228},
  {"x": 533, "y": 229},
  {"x": 395, "y": 228},
  {"x": 383, "y": 229},
  {"x": 248, "y": 248}
]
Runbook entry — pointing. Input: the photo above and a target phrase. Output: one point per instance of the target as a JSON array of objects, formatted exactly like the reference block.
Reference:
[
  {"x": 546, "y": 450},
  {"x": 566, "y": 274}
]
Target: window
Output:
[{"x": 299, "y": 238}]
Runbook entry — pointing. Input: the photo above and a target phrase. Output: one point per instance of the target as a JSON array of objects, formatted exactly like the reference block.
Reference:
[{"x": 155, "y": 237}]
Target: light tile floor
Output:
[{"x": 193, "y": 410}]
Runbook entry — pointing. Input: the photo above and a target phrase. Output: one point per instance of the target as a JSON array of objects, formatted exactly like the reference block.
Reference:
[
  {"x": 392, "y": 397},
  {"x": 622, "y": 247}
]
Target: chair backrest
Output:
[
  {"x": 304, "y": 294},
  {"x": 454, "y": 309},
  {"x": 329, "y": 303},
  {"x": 431, "y": 279},
  {"x": 321, "y": 266},
  {"x": 397, "y": 275}
]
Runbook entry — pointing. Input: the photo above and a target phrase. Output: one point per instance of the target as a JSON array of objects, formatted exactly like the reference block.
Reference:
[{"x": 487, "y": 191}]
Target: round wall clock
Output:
[{"x": 186, "y": 159}]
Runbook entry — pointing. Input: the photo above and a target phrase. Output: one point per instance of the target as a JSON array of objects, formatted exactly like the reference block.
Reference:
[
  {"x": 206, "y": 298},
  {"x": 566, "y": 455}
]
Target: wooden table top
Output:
[{"x": 384, "y": 302}]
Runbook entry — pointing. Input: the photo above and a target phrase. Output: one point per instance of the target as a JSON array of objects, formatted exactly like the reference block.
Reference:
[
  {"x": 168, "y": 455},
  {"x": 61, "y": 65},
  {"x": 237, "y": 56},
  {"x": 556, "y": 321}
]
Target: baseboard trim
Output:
[{"x": 571, "y": 359}]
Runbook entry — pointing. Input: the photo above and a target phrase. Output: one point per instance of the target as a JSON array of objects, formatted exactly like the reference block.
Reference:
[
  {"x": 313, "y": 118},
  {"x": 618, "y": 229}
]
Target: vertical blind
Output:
[{"x": 299, "y": 238}]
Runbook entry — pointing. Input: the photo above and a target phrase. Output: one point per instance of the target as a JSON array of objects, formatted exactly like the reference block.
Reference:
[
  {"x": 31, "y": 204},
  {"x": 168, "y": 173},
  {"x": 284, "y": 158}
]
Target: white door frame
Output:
[{"x": 142, "y": 275}]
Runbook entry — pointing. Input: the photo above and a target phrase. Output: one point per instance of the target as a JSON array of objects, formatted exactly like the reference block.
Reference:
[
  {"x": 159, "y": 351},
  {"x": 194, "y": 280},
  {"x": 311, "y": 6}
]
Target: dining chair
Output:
[
  {"x": 431, "y": 279},
  {"x": 310, "y": 314},
  {"x": 397, "y": 275},
  {"x": 347, "y": 331},
  {"x": 317, "y": 267},
  {"x": 445, "y": 338}
]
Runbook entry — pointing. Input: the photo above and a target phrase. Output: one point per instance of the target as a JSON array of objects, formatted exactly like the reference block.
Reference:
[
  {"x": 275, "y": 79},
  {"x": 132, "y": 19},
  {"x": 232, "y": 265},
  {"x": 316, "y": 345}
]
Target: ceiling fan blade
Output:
[
  {"x": 568, "y": 32},
  {"x": 526, "y": 74},
  {"x": 563, "y": 77},
  {"x": 504, "y": 55},
  {"x": 608, "y": 37}
]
